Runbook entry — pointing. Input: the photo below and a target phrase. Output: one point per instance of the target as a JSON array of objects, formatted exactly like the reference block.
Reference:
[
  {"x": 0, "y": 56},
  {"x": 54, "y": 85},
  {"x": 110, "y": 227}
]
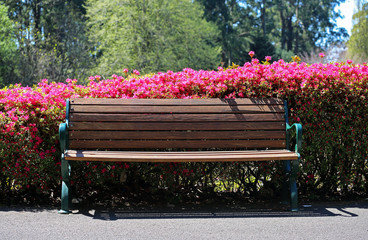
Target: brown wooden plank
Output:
[
  {"x": 125, "y": 135},
  {"x": 178, "y": 102},
  {"x": 159, "y": 144},
  {"x": 177, "y": 109},
  {"x": 94, "y": 117},
  {"x": 177, "y": 126},
  {"x": 173, "y": 153},
  {"x": 193, "y": 153},
  {"x": 200, "y": 156}
]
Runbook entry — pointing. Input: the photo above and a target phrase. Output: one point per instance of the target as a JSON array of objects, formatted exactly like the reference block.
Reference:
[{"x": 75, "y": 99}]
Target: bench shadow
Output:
[{"x": 314, "y": 211}]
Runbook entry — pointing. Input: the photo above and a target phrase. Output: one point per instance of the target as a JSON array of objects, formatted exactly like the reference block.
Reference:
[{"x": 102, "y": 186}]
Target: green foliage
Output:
[
  {"x": 284, "y": 54},
  {"x": 8, "y": 46},
  {"x": 50, "y": 39},
  {"x": 335, "y": 137},
  {"x": 65, "y": 51},
  {"x": 358, "y": 42},
  {"x": 293, "y": 27},
  {"x": 303, "y": 25},
  {"x": 157, "y": 35},
  {"x": 262, "y": 47},
  {"x": 235, "y": 24},
  {"x": 152, "y": 36}
]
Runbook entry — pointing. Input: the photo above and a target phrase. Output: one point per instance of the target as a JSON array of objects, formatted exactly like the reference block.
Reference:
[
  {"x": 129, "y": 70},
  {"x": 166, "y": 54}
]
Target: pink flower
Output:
[
  {"x": 255, "y": 61},
  {"x": 349, "y": 61},
  {"x": 251, "y": 54},
  {"x": 268, "y": 58},
  {"x": 136, "y": 72},
  {"x": 321, "y": 55},
  {"x": 125, "y": 70}
]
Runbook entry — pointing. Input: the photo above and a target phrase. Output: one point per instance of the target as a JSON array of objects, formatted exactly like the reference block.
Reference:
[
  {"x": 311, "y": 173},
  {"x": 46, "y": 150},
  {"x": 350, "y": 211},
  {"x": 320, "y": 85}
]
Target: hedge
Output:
[{"x": 330, "y": 100}]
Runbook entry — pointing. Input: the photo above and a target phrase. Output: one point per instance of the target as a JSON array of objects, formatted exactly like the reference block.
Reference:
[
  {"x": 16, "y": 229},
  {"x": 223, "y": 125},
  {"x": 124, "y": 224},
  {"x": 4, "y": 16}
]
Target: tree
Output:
[
  {"x": 8, "y": 47},
  {"x": 262, "y": 47},
  {"x": 304, "y": 25},
  {"x": 150, "y": 35},
  {"x": 66, "y": 44},
  {"x": 51, "y": 39},
  {"x": 237, "y": 26},
  {"x": 291, "y": 26},
  {"x": 358, "y": 42}
]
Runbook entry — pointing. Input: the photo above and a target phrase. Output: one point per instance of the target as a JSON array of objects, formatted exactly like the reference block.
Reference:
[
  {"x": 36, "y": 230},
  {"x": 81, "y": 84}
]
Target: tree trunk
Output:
[
  {"x": 263, "y": 17},
  {"x": 283, "y": 30},
  {"x": 36, "y": 9},
  {"x": 296, "y": 48},
  {"x": 289, "y": 34}
]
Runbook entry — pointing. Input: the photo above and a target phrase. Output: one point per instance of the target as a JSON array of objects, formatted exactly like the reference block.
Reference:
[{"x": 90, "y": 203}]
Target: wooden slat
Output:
[
  {"x": 200, "y": 156},
  {"x": 177, "y": 109},
  {"x": 177, "y": 125},
  {"x": 94, "y": 117},
  {"x": 193, "y": 153},
  {"x": 176, "y": 135},
  {"x": 159, "y": 144},
  {"x": 177, "y": 102}
]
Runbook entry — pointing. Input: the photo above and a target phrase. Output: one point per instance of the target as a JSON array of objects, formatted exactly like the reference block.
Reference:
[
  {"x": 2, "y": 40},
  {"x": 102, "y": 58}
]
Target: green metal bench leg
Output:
[
  {"x": 286, "y": 183},
  {"x": 293, "y": 186},
  {"x": 65, "y": 173}
]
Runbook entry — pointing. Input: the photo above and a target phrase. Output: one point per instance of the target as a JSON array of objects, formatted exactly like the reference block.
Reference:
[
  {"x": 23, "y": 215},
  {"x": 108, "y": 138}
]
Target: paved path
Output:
[{"x": 323, "y": 221}]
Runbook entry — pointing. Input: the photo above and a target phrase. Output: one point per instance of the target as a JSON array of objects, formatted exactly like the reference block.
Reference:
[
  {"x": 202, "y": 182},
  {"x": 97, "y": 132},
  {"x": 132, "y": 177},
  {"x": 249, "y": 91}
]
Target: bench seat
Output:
[{"x": 195, "y": 156}]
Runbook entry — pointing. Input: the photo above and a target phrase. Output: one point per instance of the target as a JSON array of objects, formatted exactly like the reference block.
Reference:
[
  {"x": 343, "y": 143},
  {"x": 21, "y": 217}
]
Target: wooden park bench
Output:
[{"x": 161, "y": 130}]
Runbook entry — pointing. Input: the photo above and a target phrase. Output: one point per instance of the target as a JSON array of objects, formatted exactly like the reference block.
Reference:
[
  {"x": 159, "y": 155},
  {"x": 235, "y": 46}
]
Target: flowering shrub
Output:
[
  {"x": 330, "y": 100},
  {"x": 28, "y": 142}
]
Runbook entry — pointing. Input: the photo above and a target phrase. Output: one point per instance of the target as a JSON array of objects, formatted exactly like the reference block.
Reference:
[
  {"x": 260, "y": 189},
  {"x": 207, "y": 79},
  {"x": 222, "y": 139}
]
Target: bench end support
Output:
[
  {"x": 293, "y": 186},
  {"x": 65, "y": 185}
]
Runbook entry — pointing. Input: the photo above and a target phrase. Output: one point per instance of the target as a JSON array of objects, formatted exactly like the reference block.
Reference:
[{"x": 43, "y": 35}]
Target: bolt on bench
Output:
[{"x": 138, "y": 130}]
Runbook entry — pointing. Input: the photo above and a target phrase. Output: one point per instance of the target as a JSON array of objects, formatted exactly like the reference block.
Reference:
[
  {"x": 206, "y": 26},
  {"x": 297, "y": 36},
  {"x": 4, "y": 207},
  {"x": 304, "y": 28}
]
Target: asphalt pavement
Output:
[{"x": 316, "y": 221}]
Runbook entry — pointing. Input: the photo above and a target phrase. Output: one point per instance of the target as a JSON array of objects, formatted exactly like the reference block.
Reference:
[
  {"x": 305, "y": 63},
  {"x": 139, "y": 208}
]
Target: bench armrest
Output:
[
  {"x": 298, "y": 128},
  {"x": 63, "y": 136}
]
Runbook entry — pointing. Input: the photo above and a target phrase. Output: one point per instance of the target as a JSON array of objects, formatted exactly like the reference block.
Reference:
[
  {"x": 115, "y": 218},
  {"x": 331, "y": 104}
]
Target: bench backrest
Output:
[{"x": 176, "y": 123}]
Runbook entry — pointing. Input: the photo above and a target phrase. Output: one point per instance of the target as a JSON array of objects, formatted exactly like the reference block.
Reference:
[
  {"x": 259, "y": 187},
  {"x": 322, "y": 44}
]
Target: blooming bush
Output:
[{"x": 330, "y": 100}]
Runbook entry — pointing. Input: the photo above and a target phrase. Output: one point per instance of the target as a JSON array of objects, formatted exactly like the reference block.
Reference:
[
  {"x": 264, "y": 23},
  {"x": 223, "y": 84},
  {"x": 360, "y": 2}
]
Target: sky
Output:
[{"x": 347, "y": 10}]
